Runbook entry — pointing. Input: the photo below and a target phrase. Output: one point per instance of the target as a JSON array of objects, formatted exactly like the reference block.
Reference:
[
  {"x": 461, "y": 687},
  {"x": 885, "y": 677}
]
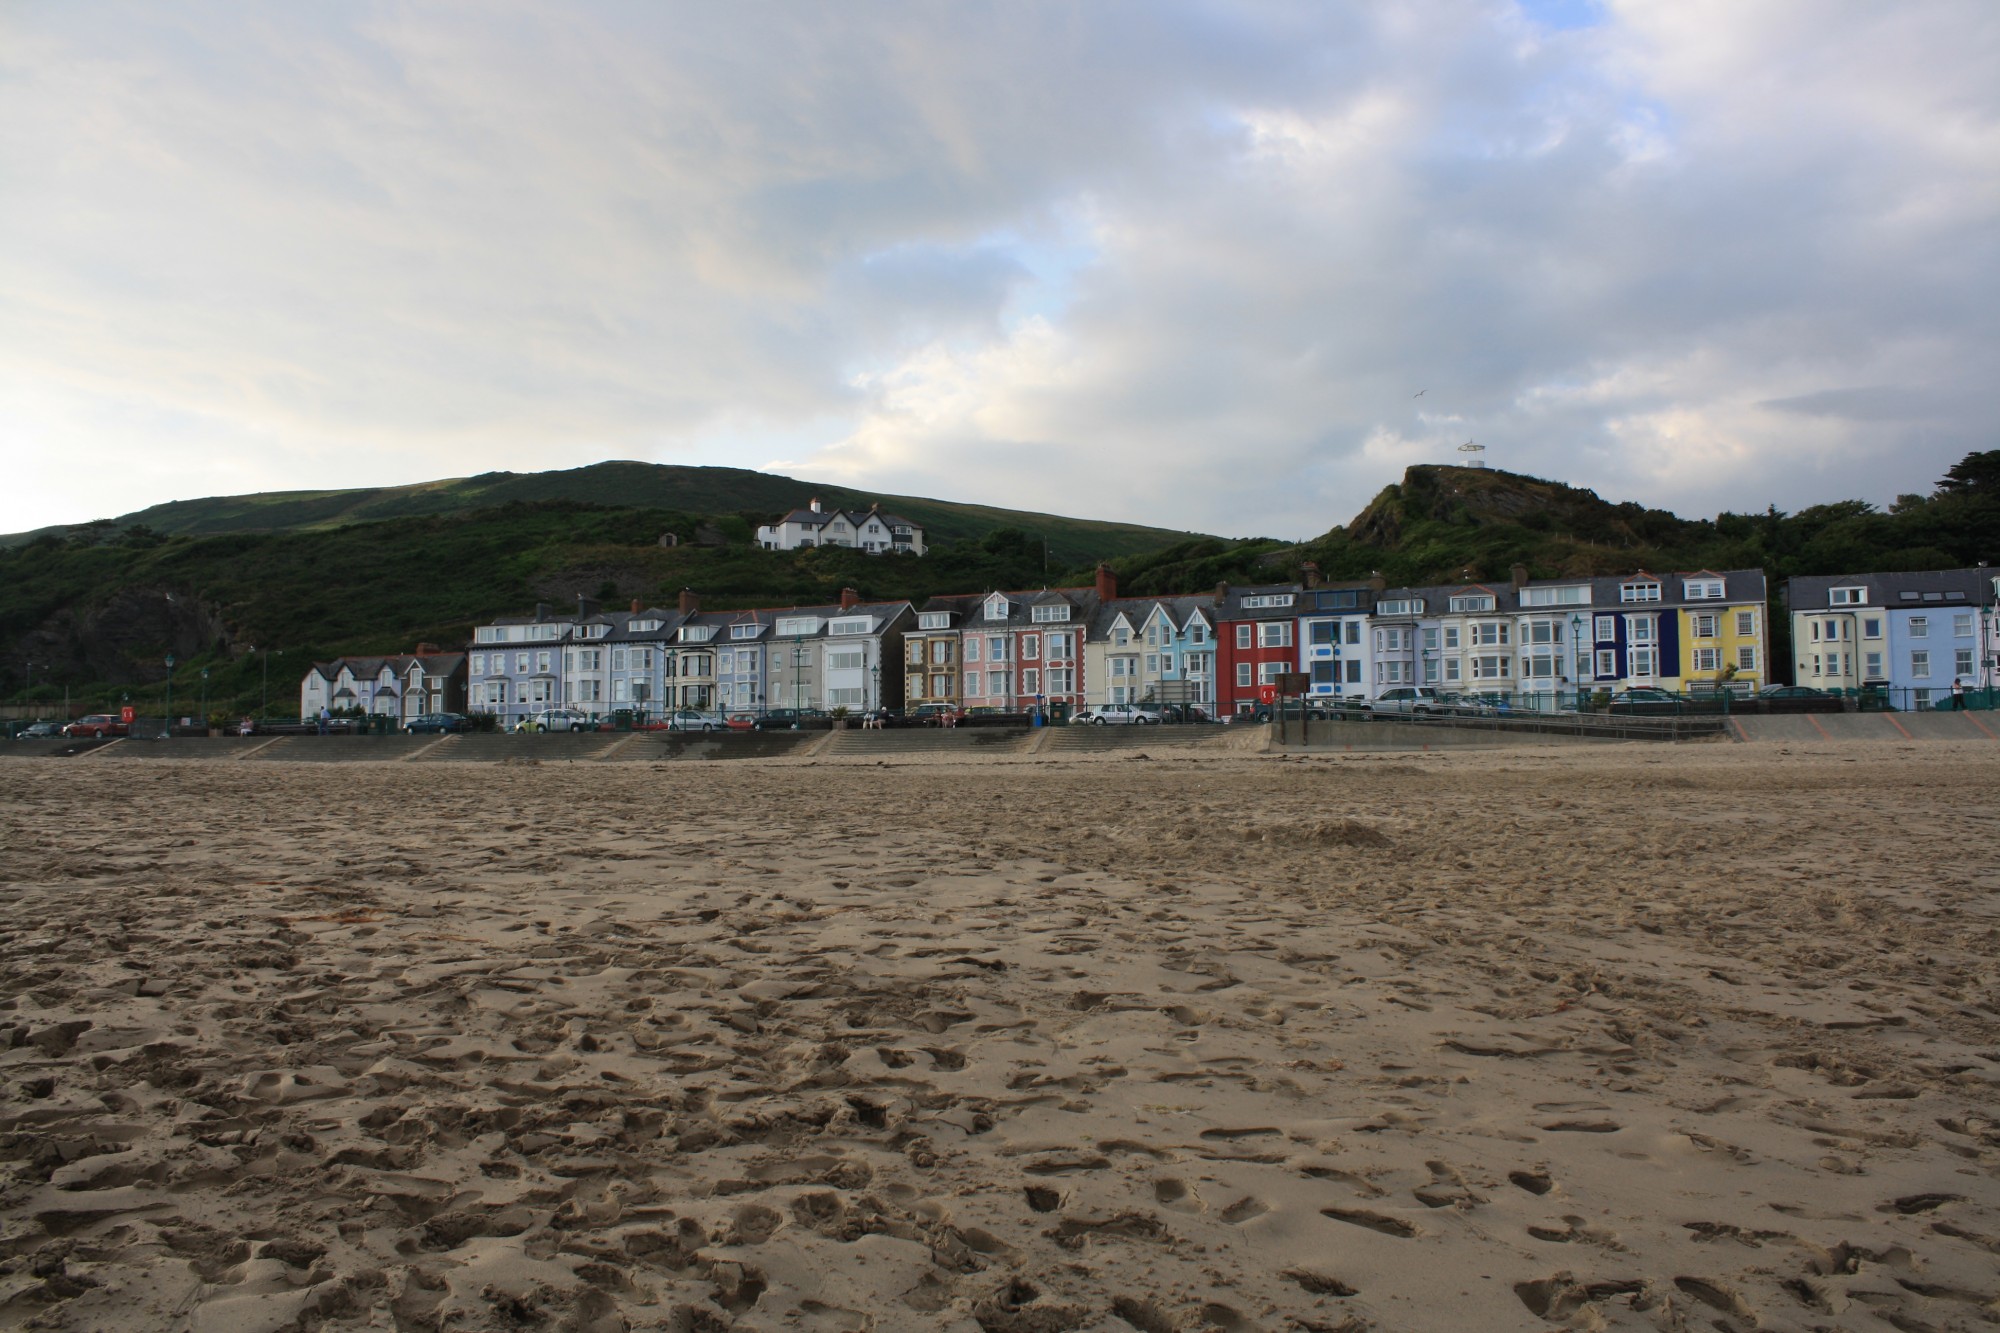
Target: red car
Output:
[
  {"x": 96, "y": 724},
  {"x": 740, "y": 721}
]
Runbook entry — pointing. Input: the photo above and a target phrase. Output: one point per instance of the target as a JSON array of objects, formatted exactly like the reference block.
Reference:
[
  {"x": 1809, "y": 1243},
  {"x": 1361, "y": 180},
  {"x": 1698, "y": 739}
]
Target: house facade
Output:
[
  {"x": 402, "y": 687},
  {"x": 1919, "y": 631},
  {"x": 1256, "y": 641},
  {"x": 932, "y": 652},
  {"x": 868, "y": 530}
]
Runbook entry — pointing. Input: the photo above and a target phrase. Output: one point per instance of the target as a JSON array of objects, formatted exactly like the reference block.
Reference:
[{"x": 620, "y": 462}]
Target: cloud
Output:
[{"x": 1181, "y": 263}]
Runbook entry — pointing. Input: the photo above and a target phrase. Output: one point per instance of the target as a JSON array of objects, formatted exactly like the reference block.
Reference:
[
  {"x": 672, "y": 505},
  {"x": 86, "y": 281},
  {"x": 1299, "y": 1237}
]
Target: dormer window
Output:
[
  {"x": 997, "y": 608},
  {"x": 643, "y": 626},
  {"x": 934, "y": 620},
  {"x": 852, "y": 625},
  {"x": 1846, "y": 596},
  {"x": 797, "y": 627},
  {"x": 1267, "y": 600},
  {"x": 1472, "y": 602},
  {"x": 1700, "y": 590},
  {"x": 744, "y": 631},
  {"x": 1640, "y": 590},
  {"x": 1051, "y": 613}
]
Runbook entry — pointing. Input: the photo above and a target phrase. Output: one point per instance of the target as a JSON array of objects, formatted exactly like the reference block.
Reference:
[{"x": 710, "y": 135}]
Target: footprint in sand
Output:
[
  {"x": 1382, "y": 1222},
  {"x": 1244, "y": 1210}
]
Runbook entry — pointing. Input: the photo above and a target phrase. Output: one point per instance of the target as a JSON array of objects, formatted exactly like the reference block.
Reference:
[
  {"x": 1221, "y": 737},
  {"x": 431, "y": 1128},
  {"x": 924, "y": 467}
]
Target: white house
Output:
[{"x": 871, "y": 530}]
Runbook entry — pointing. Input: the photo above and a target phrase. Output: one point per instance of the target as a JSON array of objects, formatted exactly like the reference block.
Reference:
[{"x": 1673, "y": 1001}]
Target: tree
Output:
[{"x": 1975, "y": 475}]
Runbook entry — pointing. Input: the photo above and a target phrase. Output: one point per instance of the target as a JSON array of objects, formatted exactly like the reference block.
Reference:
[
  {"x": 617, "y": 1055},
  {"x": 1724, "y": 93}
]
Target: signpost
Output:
[{"x": 1292, "y": 685}]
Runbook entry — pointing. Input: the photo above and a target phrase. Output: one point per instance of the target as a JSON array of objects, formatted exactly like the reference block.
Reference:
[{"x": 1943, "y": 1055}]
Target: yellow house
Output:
[{"x": 1724, "y": 640}]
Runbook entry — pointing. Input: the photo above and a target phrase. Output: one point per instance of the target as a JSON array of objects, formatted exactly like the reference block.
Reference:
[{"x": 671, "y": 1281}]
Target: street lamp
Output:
[
  {"x": 204, "y": 696},
  {"x": 875, "y": 674},
  {"x": 798, "y": 675},
  {"x": 1576, "y": 656},
  {"x": 170, "y": 694}
]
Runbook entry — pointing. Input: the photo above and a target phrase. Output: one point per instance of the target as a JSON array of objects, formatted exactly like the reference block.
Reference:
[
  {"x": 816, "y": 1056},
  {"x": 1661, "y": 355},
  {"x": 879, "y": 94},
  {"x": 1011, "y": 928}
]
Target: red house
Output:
[{"x": 1256, "y": 640}]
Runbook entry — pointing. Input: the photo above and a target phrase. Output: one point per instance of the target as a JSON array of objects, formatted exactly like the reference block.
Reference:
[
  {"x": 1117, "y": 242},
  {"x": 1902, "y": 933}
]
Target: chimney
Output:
[
  {"x": 848, "y": 597},
  {"x": 1107, "y": 583},
  {"x": 814, "y": 506},
  {"x": 582, "y": 606},
  {"x": 1520, "y": 577},
  {"x": 1221, "y": 592},
  {"x": 635, "y": 606},
  {"x": 1376, "y": 583},
  {"x": 690, "y": 601},
  {"x": 427, "y": 650},
  {"x": 1311, "y": 572}
]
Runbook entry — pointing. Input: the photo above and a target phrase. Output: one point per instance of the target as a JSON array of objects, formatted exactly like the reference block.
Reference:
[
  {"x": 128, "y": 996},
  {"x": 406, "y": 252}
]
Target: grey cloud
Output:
[{"x": 380, "y": 242}]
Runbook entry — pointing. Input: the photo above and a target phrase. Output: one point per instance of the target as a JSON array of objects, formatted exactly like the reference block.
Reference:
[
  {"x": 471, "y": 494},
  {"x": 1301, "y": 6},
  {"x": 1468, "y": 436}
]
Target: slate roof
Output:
[{"x": 1974, "y": 587}]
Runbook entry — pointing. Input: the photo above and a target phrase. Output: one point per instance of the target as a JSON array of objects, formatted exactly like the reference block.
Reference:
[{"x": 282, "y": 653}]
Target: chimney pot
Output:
[
  {"x": 635, "y": 606},
  {"x": 848, "y": 597},
  {"x": 1377, "y": 584},
  {"x": 815, "y": 504},
  {"x": 1520, "y": 577},
  {"x": 1107, "y": 583},
  {"x": 690, "y": 601},
  {"x": 1311, "y": 571}
]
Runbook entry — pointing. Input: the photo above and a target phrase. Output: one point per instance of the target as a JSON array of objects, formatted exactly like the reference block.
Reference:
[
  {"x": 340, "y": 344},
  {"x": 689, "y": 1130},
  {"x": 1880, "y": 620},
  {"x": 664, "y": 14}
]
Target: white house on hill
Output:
[{"x": 870, "y": 530}]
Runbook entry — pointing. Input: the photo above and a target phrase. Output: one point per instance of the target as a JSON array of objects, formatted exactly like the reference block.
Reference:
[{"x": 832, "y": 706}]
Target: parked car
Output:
[
  {"x": 935, "y": 715},
  {"x": 35, "y": 731},
  {"x": 1792, "y": 692},
  {"x": 695, "y": 719},
  {"x": 1135, "y": 715},
  {"x": 440, "y": 723},
  {"x": 740, "y": 721},
  {"x": 1185, "y": 713},
  {"x": 884, "y": 717},
  {"x": 557, "y": 719},
  {"x": 1647, "y": 700},
  {"x": 786, "y": 719},
  {"x": 1413, "y": 700},
  {"x": 96, "y": 724},
  {"x": 1476, "y": 705}
]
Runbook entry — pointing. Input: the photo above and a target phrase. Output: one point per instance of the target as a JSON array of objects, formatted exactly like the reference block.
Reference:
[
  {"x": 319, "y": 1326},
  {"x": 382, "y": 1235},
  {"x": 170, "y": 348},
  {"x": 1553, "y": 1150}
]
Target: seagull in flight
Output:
[{"x": 1420, "y": 393}]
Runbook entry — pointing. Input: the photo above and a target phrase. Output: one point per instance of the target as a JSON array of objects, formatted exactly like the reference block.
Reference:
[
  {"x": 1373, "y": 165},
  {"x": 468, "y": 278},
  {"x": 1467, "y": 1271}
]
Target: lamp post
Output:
[
  {"x": 204, "y": 697},
  {"x": 798, "y": 675},
  {"x": 170, "y": 694},
  {"x": 1576, "y": 657},
  {"x": 875, "y": 676}
]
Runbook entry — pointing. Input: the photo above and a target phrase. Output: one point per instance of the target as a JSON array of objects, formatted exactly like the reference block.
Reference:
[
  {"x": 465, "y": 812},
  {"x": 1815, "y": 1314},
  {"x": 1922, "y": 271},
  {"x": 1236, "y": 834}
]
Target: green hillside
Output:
[
  {"x": 1446, "y": 524},
  {"x": 95, "y": 610},
  {"x": 761, "y": 496}
]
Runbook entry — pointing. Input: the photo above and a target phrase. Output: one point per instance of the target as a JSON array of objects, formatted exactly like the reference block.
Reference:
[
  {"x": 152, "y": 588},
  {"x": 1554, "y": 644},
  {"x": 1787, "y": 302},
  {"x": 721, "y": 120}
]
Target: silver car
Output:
[{"x": 1416, "y": 700}]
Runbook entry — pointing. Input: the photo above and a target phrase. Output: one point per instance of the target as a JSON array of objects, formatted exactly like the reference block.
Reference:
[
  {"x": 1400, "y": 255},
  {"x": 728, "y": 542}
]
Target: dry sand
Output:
[{"x": 1631, "y": 1037}]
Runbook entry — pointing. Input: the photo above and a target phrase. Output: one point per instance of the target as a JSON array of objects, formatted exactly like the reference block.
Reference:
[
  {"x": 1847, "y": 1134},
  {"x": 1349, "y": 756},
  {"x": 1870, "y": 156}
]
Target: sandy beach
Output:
[{"x": 1635, "y": 1037}]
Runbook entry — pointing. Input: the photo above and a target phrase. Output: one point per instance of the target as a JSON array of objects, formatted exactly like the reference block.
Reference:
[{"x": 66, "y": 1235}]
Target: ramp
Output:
[
  {"x": 659, "y": 746},
  {"x": 1088, "y": 739},
  {"x": 947, "y": 741}
]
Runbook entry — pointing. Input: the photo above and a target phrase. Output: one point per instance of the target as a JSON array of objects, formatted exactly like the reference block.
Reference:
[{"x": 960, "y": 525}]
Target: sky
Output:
[{"x": 1222, "y": 266}]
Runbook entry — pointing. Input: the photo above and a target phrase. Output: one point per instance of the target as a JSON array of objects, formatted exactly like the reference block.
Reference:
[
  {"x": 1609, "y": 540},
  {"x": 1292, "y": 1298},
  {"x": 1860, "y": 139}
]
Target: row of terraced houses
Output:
[{"x": 1535, "y": 639}]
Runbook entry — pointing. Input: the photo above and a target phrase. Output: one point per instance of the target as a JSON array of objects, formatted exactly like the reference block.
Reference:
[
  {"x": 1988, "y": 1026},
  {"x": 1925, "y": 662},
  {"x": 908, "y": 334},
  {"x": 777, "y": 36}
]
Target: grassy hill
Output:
[
  {"x": 756, "y": 496},
  {"x": 97, "y": 608}
]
